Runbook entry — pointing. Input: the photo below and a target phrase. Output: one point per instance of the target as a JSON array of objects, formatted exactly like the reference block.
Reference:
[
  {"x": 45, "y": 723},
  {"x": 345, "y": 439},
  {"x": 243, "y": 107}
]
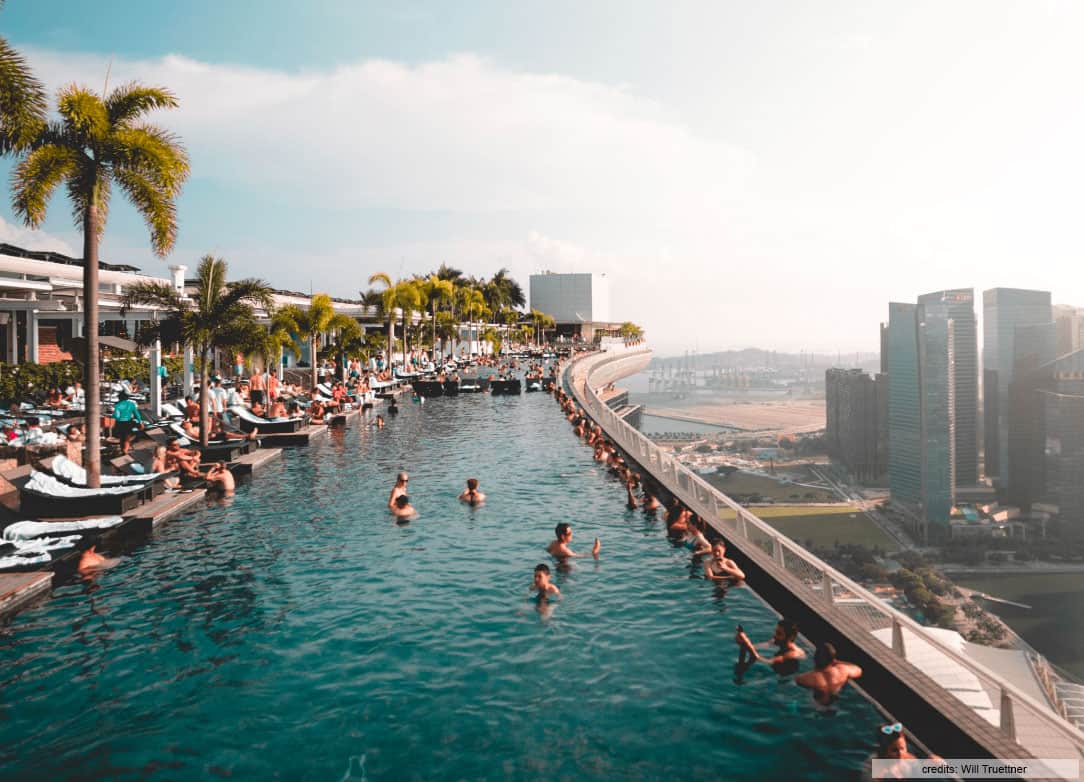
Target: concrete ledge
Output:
[
  {"x": 302, "y": 436},
  {"x": 163, "y": 508},
  {"x": 251, "y": 462},
  {"x": 19, "y": 590}
]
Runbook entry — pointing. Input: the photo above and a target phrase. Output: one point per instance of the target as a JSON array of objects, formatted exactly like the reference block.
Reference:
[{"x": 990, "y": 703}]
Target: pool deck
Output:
[
  {"x": 19, "y": 590},
  {"x": 302, "y": 436}
]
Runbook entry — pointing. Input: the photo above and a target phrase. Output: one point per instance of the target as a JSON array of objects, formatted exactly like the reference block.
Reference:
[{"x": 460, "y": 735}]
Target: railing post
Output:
[
  {"x": 1008, "y": 721},
  {"x": 897, "y": 639},
  {"x": 777, "y": 551},
  {"x": 742, "y": 525},
  {"x": 829, "y": 592}
]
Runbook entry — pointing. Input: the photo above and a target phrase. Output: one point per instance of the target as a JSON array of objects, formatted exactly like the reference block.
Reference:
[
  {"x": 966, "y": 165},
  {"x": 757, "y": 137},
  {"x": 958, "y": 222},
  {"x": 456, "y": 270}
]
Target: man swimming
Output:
[
  {"x": 471, "y": 495},
  {"x": 542, "y": 584},
  {"x": 788, "y": 653},
  {"x": 399, "y": 488},
  {"x": 559, "y": 549},
  {"x": 828, "y": 676},
  {"x": 91, "y": 562},
  {"x": 719, "y": 568},
  {"x": 402, "y": 509}
]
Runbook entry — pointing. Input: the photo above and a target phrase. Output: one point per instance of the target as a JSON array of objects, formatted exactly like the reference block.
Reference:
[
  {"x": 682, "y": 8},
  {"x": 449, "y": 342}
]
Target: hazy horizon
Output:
[{"x": 768, "y": 175}]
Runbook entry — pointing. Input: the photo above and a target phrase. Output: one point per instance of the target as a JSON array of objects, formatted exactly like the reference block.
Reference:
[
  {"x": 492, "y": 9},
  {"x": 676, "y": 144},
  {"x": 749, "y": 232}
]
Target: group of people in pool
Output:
[
  {"x": 829, "y": 674},
  {"x": 399, "y": 501}
]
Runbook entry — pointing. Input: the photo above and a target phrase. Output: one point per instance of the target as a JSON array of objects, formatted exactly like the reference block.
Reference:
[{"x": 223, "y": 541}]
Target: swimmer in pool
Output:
[
  {"x": 542, "y": 584},
  {"x": 400, "y": 487},
  {"x": 91, "y": 562},
  {"x": 402, "y": 509},
  {"x": 558, "y": 548},
  {"x": 788, "y": 653},
  {"x": 720, "y": 569},
  {"x": 828, "y": 676},
  {"x": 471, "y": 495},
  {"x": 221, "y": 478}
]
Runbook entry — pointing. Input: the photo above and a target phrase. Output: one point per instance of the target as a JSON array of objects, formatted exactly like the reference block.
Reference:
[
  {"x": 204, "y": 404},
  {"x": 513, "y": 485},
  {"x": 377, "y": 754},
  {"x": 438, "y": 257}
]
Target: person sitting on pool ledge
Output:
[
  {"x": 402, "y": 509},
  {"x": 719, "y": 568},
  {"x": 400, "y": 487},
  {"x": 471, "y": 495},
  {"x": 788, "y": 653},
  {"x": 828, "y": 676},
  {"x": 542, "y": 584},
  {"x": 559, "y": 549}
]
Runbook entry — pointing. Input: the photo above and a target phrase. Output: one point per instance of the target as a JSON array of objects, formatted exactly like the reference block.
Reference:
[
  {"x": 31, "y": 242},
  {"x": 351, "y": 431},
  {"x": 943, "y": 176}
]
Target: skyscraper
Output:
[
  {"x": 1004, "y": 309},
  {"x": 921, "y": 413},
  {"x": 856, "y": 406},
  {"x": 958, "y": 305}
]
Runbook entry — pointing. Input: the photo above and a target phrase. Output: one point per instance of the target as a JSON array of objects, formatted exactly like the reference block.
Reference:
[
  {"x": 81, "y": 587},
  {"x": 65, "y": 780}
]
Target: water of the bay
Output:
[{"x": 295, "y": 627}]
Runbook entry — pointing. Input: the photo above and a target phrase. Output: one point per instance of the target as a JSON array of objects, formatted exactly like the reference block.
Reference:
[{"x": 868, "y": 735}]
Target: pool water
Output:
[{"x": 297, "y": 632}]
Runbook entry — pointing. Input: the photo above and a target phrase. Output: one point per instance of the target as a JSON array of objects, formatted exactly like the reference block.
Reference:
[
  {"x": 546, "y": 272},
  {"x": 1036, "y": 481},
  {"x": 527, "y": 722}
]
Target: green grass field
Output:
[
  {"x": 825, "y": 526},
  {"x": 742, "y": 484}
]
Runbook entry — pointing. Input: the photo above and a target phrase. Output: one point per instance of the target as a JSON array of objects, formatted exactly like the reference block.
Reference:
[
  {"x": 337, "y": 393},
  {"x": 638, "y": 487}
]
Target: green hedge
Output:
[{"x": 19, "y": 382}]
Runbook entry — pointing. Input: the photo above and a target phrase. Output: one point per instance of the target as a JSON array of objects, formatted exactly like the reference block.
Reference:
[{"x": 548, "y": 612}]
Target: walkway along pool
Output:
[{"x": 282, "y": 634}]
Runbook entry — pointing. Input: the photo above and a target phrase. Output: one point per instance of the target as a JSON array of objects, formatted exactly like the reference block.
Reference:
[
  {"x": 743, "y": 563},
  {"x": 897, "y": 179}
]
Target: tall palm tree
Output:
[
  {"x": 541, "y": 321},
  {"x": 409, "y": 298},
  {"x": 388, "y": 301},
  {"x": 437, "y": 290},
  {"x": 311, "y": 324},
  {"x": 219, "y": 315},
  {"x": 471, "y": 300},
  {"x": 100, "y": 141},
  {"x": 503, "y": 292},
  {"x": 449, "y": 273}
]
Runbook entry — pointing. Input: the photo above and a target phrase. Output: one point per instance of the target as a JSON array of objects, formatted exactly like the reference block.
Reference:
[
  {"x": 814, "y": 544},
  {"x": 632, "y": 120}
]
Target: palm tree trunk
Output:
[
  {"x": 391, "y": 334},
  {"x": 93, "y": 461},
  {"x": 434, "y": 331},
  {"x": 204, "y": 422},
  {"x": 312, "y": 357}
]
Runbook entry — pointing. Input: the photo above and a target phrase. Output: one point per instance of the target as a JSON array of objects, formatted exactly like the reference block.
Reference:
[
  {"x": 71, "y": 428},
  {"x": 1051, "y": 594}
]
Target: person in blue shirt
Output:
[{"x": 128, "y": 419}]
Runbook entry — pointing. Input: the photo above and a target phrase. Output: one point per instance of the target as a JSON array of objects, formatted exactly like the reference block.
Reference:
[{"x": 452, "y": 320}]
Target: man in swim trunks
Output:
[
  {"x": 720, "y": 569},
  {"x": 399, "y": 488},
  {"x": 559, "y": 549},
  {"x": 788, "y": 653},
  {"x": 542, "y": 584},
  {"x": 828, "y": 676},
  {"x": 471, "y": 494}
]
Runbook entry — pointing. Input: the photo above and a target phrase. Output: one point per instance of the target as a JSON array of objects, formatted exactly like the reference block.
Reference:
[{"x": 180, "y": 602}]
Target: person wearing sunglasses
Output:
[{"x": 399, "y": 488}]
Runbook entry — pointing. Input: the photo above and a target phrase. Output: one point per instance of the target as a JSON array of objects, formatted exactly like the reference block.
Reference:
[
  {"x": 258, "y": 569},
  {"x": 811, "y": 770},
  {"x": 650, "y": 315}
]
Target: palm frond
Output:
[
  {"x": 152, "y": 152},
  {"x": 86, "y": 183},
  {"x": 155, "y": 205},
  {"x": 130, "y": 101},
  {"x": 158, "y": 294},
  {"x": 22, "y": 101},
  {"x": 211, "y": 274},
  {"x": 251, "y": 291},
  {"x": 36, "y": 177},
  {"x": 83, "y": 113}
]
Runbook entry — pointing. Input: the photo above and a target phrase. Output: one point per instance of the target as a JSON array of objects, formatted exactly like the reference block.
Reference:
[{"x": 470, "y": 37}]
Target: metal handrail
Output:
[{"x": 821, "y": 579}]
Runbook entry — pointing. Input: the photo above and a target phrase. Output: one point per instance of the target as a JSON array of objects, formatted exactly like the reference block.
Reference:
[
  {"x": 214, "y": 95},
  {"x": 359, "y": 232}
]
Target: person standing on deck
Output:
[
  {"x": 273, "y": 386},
  {"x": 256, "y": 388},
  {"x": 128, "y": 418}
]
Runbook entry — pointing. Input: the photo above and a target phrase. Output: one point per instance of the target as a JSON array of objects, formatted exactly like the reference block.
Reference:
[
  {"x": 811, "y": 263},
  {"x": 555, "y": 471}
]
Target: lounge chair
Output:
[
  {"x": 67, "y": 471},
  {"x": 250, "y": 421},
  {"x": 214, "y": 447},
  {"x": 43, "y": 495}
]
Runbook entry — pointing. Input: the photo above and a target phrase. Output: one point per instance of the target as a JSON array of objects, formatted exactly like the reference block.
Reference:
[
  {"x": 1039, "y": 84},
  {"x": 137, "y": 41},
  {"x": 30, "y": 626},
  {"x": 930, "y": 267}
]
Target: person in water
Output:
[
  {"x": 788, "y": 653},
  {"x": 720, "y": 569},
  {"x": 471, "y": 495},
  {"x": 402, "y": 509},
  {"x": 398, "y": 489},
  {"x": 559, "y": 549},
  {"x": 828, "y": 677},
  {"x": 91, "y": 562},
  {"x": 220, "y": 477},
  {"x": 542, "y": 584},
  {"x": 379, "y": 423}
]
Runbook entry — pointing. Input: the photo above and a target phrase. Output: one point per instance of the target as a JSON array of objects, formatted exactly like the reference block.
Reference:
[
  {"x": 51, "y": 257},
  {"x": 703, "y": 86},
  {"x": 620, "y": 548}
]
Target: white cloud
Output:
[
  {"x": 457, "y": 134},
  {"x": 30, "y": 239}
]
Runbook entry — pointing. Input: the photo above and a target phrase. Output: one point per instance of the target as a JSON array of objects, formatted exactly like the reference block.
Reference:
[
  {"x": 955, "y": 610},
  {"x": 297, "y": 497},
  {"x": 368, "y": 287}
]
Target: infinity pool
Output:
[{"x": 297, "y": 627}]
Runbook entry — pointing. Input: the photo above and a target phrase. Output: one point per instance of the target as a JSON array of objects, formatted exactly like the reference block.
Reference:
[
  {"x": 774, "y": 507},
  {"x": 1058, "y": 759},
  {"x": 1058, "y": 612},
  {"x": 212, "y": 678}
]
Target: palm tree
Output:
[
  {"x": 503, "y": 292},
  {"x": 97, "y": 142},
  {"x": 471, "y": 300},
  {"x": 409, "y": 298},
  {"x": 436, "y": 290},
  {"x": 541, "y": 321},
  {"x": 22, "y": 101},
  {"x": 387, "y": 299},
  {"x": 310, "y": 324},
  {"x": 449, "y": 273},
  {"x": 219, "y": 315}
]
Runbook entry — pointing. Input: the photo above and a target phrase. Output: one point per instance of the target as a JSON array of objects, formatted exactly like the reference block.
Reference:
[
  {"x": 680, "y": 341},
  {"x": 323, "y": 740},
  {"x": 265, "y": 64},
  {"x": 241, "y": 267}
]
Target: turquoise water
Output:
[{"x": 281, "y": 634}]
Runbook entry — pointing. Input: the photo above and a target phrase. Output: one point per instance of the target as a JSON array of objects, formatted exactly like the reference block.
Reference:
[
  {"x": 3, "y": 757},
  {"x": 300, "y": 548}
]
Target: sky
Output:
[{"x": 746, "y": 174}]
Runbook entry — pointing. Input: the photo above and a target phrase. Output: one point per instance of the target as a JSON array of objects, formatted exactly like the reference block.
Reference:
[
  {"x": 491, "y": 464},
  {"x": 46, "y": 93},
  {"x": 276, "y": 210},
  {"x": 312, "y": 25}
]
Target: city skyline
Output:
[{"x": 533, "y": 156}]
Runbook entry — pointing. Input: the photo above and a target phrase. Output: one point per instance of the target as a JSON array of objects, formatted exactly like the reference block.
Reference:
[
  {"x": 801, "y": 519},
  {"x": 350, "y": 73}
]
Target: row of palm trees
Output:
[{"x": 450, "y": 298}]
